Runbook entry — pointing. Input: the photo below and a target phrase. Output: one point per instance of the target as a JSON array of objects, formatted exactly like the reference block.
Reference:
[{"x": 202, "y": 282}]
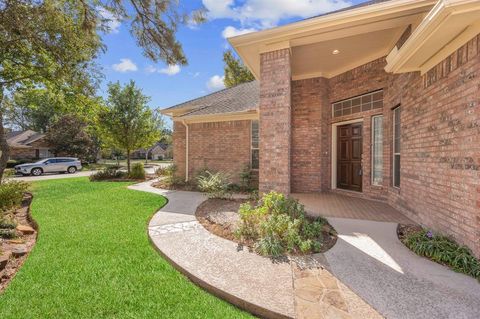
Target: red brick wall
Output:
[
  {"x": 275, "y": 121},
  {"x": 310, "y": 165},
  {"x": 178, "y": 138},
  {"x": 440, "y": 174},
  {"x": 218, "y": 146}
]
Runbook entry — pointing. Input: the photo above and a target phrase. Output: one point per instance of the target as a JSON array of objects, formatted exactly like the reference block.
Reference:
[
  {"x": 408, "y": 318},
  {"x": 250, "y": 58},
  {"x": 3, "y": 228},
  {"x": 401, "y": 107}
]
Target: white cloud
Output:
[
  {"x": 169, "y": 70},
  {"x": 267, "y": 13},
  {"x": 230, "y": 31},
  {"x": 125, "y": 65},
  {"x": 215, "y": 83},
  {"x": 113, "y": 23}
]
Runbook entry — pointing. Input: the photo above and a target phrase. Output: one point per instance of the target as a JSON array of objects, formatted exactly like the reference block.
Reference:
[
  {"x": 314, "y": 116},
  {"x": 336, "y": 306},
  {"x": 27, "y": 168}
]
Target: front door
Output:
[{"x": 349, "y": 157}]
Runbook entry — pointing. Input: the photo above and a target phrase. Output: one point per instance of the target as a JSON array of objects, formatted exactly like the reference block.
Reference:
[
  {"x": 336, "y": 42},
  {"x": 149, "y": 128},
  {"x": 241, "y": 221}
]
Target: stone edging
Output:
[{"x": 33, "y": 223}]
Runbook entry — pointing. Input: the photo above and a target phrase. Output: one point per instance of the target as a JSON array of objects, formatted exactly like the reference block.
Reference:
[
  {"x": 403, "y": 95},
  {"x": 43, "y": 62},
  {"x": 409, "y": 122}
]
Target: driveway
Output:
[{"x": 48, "y": 176}]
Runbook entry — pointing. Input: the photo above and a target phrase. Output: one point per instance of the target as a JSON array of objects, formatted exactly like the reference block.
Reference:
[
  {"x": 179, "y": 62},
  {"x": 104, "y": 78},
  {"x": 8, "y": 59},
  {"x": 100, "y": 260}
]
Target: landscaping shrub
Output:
[
  {"x": 137, "y": 171},
  {"x": 247, "y": 180},
  {"x": 169, "y": 176},
  {"x": 7, "y": 224},
  {"x": 279, "y": 225},
  {"x": 443, "y": 250},
  {"x": 13, "y": 163},
  {"x": 11, "y": 194},
  {"x": 8, "y": 233},
  {"x": 216, "y": 185},
  {"x": 107, "y": 174}
]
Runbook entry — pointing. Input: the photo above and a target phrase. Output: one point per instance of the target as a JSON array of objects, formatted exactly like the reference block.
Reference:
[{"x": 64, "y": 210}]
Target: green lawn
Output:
[{"x": 93, "y": 260}]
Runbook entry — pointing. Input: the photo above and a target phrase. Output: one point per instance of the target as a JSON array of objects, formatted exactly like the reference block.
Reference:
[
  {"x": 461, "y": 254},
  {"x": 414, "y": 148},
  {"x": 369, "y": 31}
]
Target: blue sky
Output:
[{"x": 203, "y": 45}]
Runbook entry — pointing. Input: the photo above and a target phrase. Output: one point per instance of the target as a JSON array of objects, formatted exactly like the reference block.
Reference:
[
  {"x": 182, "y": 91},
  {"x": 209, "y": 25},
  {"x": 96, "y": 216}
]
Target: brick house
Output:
[
  {"x": 27, "y": 145},
  {"x": 380, "y": 100}
]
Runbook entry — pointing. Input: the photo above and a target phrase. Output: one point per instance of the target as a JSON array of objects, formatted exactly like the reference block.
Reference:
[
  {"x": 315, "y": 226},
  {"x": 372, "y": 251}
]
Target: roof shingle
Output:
[{"x": 240, "y": 98}]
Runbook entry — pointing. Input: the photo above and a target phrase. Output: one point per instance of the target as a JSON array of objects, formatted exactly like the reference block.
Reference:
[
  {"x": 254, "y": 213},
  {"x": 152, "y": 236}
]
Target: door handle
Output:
[{"x": 360, "y": 172}]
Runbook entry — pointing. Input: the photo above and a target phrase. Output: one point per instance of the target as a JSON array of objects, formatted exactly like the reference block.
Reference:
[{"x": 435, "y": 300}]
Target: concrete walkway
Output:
[
  {"x": 369, "y": 258},
  {"x": 368, "y": 261}
]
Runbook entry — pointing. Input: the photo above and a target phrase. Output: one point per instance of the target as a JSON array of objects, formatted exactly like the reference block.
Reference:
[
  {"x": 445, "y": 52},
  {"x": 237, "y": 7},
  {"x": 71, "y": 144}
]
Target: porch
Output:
[{"x": 332, "y": 204}]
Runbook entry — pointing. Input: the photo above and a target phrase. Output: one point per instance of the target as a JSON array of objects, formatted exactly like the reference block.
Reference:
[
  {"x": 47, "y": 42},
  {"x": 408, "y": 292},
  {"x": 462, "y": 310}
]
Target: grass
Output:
[{"x": 93, "y": 260}]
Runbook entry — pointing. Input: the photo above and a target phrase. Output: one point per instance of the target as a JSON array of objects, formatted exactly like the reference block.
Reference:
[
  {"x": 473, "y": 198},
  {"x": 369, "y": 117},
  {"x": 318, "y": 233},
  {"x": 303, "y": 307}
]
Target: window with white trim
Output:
[
  {"x": 255, "y": 160},
  {"x": 396, "y": 146},
  {"x": 377, "y": 150}
]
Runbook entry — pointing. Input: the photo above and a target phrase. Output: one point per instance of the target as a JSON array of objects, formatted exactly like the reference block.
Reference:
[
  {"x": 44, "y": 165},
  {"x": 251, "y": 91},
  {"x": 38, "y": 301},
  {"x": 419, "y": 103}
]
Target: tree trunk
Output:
[
  {"x": 128, "y": 162},
  {"x": 3, "y": 140}
]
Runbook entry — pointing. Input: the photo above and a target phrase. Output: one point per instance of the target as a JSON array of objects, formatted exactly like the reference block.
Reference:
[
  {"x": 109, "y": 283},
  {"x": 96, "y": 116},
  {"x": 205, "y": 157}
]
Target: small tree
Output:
[
  {"x": 127, "y": 122},
  {"x": 69, "y": 136},
  {"x": 235, "y": 72}
]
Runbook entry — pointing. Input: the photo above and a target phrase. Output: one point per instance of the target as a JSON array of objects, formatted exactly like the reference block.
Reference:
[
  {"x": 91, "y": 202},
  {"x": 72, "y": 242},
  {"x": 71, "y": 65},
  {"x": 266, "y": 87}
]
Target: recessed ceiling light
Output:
[{"x": 335, "y": 52}]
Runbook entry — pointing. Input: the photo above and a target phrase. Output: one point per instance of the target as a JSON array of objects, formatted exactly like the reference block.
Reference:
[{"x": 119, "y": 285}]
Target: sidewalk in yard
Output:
[{"x": 368, "y": 263}]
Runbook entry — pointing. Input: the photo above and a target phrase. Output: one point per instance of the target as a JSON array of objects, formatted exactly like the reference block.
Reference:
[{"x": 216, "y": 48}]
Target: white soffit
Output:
[
  {"x": 447, "y": 27},
  {"x": 340, "y": 28}
]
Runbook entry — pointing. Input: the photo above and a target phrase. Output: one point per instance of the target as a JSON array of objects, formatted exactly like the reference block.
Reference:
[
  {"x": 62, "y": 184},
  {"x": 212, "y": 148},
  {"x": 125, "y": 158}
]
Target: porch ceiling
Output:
[
  {"x": 359, "y": 35},
  {"x": 318, "y": 59}
]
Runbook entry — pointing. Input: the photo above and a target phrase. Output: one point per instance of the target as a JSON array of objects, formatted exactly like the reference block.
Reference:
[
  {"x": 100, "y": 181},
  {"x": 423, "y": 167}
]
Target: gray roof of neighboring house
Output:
[
  {"x": 23, "y": 139},
  {"x": 240, "y": 98}
]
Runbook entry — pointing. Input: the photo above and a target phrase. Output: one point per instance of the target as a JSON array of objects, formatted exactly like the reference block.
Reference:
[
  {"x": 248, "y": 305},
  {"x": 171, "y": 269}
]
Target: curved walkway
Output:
[{"x": 368, "y": 258}]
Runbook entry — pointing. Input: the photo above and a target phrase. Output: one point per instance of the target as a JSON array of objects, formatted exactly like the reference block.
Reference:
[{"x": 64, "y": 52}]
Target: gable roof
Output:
[
  {"x": 23, "y": 139},
  {"x": 241, "y": 98}
]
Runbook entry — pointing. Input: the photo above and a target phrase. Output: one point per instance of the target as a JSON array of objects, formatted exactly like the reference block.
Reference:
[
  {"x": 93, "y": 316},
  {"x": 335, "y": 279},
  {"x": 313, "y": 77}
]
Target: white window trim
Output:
[
  {"x": 373, "y": 150},
  {"x": 393, "y": 147},
  {"x": 251, "y": 144}
]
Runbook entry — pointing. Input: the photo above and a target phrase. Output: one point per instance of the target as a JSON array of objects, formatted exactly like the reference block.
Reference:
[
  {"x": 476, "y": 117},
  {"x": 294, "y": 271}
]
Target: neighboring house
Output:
[
  {"x": 27, "y": 145},
  {"x": 158, "y": 151},
  {"x": 379, "y": 100}
]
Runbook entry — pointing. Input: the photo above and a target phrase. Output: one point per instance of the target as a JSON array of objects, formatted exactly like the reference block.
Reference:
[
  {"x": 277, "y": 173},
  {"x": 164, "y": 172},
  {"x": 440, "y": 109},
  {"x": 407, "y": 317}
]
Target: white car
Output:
[{"x": 50, "y": 165}]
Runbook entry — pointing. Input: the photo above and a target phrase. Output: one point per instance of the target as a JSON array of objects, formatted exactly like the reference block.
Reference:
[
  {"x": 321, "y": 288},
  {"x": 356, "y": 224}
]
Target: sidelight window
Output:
[
  {"x": 377, "y": 150},
  {"x": 255, "y": 161},
  {"x": 396, "y": 146}
]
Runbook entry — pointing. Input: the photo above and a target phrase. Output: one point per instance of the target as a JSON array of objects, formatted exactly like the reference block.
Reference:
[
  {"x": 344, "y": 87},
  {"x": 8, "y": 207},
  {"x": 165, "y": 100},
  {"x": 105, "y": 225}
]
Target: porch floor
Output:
[{"x": 332, "y": 204}]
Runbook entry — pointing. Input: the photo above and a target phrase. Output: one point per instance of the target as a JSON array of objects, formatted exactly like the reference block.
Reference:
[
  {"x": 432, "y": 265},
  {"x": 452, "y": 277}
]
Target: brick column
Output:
[{"x": 275, "y": 121}]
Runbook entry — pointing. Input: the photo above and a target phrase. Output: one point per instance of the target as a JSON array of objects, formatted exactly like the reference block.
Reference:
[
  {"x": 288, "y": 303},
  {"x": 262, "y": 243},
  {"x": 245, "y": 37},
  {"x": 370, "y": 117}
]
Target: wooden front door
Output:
[{"x": 349, "y": 157}]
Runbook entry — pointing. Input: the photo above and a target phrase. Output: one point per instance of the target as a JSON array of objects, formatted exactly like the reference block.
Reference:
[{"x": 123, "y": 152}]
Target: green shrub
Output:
[
  {"x": 11, "y": 194},
  {"x": 8, "y": 233},
  {"x": 169, "y": 176},
  {"x": 279, "y": 225},
  {"x": 137, "y": 171},
  {"x": 13, "y": 163},
  {"x": 107, "y": 174},
  {"x": 7, "y": 224},
  {"x": 443, "y": 250},
  {"x": 216, "y": 185}
]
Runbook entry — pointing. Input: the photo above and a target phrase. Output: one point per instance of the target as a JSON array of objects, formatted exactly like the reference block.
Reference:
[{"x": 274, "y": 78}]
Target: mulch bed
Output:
[
  {"x": 220, "y": 217},
  {"x": 178, "y": 187},
  {"x": 14, "y": 252}
]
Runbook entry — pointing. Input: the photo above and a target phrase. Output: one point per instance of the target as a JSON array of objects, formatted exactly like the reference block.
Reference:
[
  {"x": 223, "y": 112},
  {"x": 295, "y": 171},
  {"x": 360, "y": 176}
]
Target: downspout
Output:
[{"x": 186, "y": 150}]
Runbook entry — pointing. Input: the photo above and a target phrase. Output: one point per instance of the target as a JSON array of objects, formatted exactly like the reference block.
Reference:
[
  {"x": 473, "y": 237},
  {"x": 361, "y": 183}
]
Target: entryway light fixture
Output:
[{"x": 335, "y": 52}]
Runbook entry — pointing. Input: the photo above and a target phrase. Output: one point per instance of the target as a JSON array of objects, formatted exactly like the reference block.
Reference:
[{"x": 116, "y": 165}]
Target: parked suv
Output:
[{"x": 50, "y": 165}]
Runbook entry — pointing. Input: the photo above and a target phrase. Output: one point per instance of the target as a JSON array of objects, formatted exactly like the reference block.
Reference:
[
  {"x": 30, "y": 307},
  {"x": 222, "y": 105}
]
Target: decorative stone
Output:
[
  {"x": 4, "y": 260},
  {"x": 19, "y": 251},
  {"x": 25, "y": 229},
  {"x": 335, "y": 299},
  {"x": 15, "y": 241}
]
